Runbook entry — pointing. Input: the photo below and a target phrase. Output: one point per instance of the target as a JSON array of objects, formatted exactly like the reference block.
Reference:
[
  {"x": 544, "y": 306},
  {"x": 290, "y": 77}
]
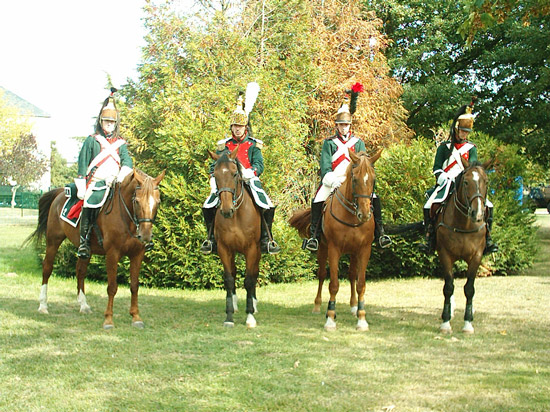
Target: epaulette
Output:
[
  {"x": 259, "y": 143},
  {"x": 221, "y": 144}
]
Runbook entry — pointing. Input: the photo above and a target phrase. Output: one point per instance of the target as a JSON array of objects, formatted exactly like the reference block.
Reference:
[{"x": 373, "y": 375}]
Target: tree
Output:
[
  {"x": 505, "y": 67},
  {"x": 12, "y": 125},
  {"x": 61, "y": 174}
]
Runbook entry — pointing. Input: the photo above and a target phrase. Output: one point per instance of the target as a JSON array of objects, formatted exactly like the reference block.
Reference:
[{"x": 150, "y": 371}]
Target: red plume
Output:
[{"x": 357, "y": 88}]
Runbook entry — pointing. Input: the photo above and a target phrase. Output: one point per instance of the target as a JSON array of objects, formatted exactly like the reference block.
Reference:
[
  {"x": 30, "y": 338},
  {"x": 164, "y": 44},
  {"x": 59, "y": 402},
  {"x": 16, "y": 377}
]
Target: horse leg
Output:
[
  {"x": 251, "y": 277},
  {"x": 135, "y": 266},
  {"x": 52, "y": 245},
  {"x": 469, "y": 292},
  {"x": 81, "y": 269},
  {"x": 229, "y": 272},
  {"x": 234, "y": 293},
  {"x": 321, "y": 275},
  {"x": 362, "y": 262},
  {"x": 448, "y": 291},
  {"x": 111, "y": 262},
  {"x": 353, "y": 285},
  {"x": 334, "y": 285}
]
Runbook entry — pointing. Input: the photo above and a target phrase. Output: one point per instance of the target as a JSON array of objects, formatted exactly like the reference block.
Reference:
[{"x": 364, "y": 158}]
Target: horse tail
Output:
[
  {"x": 416, "y": 227},
  {"x": 300, "y": 220},
  {"x": 44, "y": 205}
]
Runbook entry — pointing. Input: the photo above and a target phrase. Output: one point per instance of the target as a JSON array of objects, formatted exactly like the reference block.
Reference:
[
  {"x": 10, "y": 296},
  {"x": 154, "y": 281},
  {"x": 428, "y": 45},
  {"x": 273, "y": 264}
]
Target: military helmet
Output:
[
  {"x": 349, "y": 105},
  {"x": 239, "y": 116},
  {"x": 465, "y": 121},
  {"x": 108, "y": 110}
]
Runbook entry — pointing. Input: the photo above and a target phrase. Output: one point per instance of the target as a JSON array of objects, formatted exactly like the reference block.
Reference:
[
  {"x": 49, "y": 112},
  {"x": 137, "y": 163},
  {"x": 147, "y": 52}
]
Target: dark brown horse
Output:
[
  {"x": 348, "y": 228},
  {"x": 126, "y": 224},
  {"x": 237, "y": 228},
  {"x": 460, "y": 234}
]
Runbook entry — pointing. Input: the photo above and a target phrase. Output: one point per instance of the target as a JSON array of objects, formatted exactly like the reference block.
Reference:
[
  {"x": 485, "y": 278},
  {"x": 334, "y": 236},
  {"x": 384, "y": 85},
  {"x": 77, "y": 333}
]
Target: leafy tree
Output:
[
  {"x": 61, "y": 174},
  {"x": 505, "y": 67},
  {"x": 12, "y": 125}
]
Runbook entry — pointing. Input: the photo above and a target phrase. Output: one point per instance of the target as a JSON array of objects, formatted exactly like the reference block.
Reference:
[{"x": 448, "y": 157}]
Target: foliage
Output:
[
  {"x": 61, "y": 174},
  {"x": 505, "y": 67},
  {"x": 22, "y": 162},
  {"x": 188, "y": 85},
  {"x": 13, "y": 125}
]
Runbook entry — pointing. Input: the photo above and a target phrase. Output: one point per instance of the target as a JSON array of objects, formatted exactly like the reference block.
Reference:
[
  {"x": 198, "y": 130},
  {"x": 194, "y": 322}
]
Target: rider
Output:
[
  {"x": 333, "y": 163},
  {"x": 249, "y": 155},
  {"x": 103, "y": 159},
  {"x": 447, "y": 166}
]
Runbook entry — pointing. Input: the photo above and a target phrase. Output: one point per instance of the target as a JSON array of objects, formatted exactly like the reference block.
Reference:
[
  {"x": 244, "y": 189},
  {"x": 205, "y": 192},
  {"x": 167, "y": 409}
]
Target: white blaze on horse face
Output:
[
  {"x": 475, "y": 176},
  {"x": 366, "y": 178},
  {"x": 479, "y": 207},
  {"x": 152, "y": 204}
]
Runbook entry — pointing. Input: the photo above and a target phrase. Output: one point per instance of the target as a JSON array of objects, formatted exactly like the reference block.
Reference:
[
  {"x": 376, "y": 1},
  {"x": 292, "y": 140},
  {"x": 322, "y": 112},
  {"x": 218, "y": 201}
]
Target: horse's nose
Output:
[{"x": 228, "y": 214}]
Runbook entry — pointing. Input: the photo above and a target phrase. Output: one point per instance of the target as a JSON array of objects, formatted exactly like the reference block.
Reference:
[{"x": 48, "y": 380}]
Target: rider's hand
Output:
[
  {"x": 338, "y": 182},
  {"x": 248, "y": 174},
  {"x": 442, "y": 179},
  {"x": 124, "y": 171},
  {"x": 80, "y": 187}
]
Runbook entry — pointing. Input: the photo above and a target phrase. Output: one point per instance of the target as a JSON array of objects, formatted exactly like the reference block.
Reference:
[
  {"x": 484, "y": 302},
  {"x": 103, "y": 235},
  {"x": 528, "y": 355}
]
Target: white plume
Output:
[{"x": 252, "y": 91}]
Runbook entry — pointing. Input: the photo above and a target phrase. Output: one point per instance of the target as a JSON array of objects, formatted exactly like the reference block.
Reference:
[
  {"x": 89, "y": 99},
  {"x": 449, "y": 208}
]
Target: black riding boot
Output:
[
  {"x": 84, "y": 249},
  {"x": 379, "y": 235},
  {"x": 490, "y": 246},
  {"x": 428, "y": 245},
  {"x": 266, "y": 245},
  {"x": 209, "y": 245},
  {"x": 313, "y": 242}
]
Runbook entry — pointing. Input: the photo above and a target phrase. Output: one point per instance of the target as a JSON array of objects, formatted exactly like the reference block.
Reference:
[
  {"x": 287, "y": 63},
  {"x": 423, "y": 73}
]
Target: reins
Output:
[
  {"x": 132, "y": 215},
  {"x": 238, "y": 200}
]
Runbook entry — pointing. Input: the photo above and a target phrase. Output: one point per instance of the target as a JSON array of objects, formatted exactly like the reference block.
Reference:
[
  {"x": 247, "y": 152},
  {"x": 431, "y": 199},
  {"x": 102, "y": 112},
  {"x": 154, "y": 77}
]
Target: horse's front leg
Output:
[
  {"x": 322, "y": 255},
  {"x": 469, "y": 292},
  {"x": 251, "y": 277},
  {"x": 334, "y": 285},
  {"x": 353, "y": 303},
  {"x": 111, "y": 262},
  {"x": 135, "y": 266},
  {"x": 81, "y": 269},
  {"x": 362, "y": 262},
  {"x": 228, "y": 261},
  {"x": 448, "y": 290}
]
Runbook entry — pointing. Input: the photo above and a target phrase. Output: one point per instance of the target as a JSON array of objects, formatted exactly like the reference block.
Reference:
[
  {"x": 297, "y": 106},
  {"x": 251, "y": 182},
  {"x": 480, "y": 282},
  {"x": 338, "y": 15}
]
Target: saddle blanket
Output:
[{"x": 72, "y": 207}]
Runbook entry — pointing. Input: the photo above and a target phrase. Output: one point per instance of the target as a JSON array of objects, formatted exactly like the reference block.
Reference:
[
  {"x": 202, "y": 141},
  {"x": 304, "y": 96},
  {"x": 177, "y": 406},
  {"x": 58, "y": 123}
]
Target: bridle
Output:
[
  {"x": 132, "y": 215},
  {"x": 465, "y": 206},
  {"x": 237, "y": 198},
  {"x": 351, "y": 207}
]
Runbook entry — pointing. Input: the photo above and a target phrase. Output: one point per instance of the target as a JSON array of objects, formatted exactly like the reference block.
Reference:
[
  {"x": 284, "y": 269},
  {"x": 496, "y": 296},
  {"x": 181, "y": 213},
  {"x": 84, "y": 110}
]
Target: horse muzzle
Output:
[{"x": 228, "y": 214}]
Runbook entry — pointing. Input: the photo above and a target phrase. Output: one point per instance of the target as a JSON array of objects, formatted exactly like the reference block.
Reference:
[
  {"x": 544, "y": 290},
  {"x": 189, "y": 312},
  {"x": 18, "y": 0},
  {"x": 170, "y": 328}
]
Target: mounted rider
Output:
[
  {"x": 249, "y": 155},
  {"x": 103, "y": 159},
  {"x": 333, "y": 164},
  {"x": 447, "y": 166}
]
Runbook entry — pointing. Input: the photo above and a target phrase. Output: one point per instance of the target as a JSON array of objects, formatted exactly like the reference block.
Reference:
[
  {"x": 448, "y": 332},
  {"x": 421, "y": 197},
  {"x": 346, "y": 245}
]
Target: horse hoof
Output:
[
  {"x": 446, "y": 328},
  {"x": 108, "y": 326},
  {"x": 316, "y": 311},
  {"x": 353, "y": 310},
  {"x": 330, "y": 325},
  {"x": 468, "y": 328},
  {"x": 86, "y": 309},
  {"x": 362, "y": 326},
  {"x": 43, "y": 311},
  {"x": 138, "y": 324},
  {"x": 228, "y": 324}
]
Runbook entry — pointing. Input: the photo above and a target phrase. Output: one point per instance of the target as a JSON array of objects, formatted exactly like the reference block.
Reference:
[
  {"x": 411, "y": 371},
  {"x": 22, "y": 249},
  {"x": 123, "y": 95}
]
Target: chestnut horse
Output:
[
  {"x": 126, "y": 224},
  {"x": 348, "y": 228},
  {"x": 460, "y": 234},
  {"x": 237, "y": 228}
]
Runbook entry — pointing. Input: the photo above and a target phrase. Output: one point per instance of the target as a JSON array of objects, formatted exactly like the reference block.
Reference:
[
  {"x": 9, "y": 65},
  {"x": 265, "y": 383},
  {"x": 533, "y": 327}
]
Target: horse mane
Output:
[
  {"x": 148, "y": 187},
  {"x": 363, "y": 164},
  {"x": 224, "y": 158}
]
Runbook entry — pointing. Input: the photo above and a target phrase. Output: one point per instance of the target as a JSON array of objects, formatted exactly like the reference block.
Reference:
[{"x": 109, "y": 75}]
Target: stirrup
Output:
[
  {"x": 312, "y": 244},
  {"x": 273, "y": 248},
  {"x": 490, "y": 248},
  {"x": 384, "y": 241},
  {"x": 83, "y": 251},
  {"x": 207, "y": 247},
  {"x": 149, "y": 246}
]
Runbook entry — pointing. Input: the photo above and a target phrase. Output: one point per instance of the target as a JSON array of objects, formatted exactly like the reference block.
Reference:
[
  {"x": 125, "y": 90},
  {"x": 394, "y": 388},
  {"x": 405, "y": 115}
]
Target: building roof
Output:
[{"x": 22, "y": 104}]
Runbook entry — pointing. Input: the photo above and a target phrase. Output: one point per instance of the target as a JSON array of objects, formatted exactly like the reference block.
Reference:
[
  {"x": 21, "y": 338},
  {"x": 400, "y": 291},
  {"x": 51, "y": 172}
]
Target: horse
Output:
[
  {"x": 126, "y": 224},
  {"x": 237, "y": 227},
  {"x": 348, "y": 228},
  {"x": 460, "y": 234}
]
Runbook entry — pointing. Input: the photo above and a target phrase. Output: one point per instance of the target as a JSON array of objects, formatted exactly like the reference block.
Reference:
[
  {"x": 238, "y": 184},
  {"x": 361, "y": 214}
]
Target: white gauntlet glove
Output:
[
  {"x": 248, "y": 174},
  {"x": 80, "y": 187},
  {"x": 332, "y": 180},
  {"x": 124, "y": 171},
  {"x": 443, "y": 178}
]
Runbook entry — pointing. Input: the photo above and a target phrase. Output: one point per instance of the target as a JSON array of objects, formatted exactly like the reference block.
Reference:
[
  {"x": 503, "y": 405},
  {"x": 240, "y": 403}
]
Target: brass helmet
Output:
[
  {"x": 465, "y": 121},
  {"x": 108, "y": 111},
  {"x": 348, "y": 106},
  {"x": 239, "y": 116}
]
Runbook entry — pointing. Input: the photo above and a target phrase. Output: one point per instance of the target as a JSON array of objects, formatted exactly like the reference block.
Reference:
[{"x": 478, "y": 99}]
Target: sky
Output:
[{"x": 56, "y": 54}]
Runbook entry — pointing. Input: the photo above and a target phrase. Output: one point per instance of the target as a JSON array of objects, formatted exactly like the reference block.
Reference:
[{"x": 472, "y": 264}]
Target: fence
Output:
[{"x": 24, "y": 199}]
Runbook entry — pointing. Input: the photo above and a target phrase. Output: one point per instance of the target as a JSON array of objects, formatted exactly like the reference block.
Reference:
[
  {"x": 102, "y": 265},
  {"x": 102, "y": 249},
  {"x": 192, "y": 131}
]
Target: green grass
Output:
[{"x": 185, "y": 360}]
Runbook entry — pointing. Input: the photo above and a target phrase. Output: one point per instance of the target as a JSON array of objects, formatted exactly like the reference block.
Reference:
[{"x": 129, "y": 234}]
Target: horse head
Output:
[
  {"x": 227, "y": 172},
  {"x": 145, "y": 202},
  {"x": 361, "y": 175},
  {"x": 472, "y": 189}
]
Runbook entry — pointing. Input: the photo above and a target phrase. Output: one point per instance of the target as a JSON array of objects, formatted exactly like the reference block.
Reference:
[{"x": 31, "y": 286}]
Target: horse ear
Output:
[
  {"x": 138, "y": 177},
  {"x": 465, "y": 163},
  {"x": 353, "y": 156},
  {"x": 233, "y": 154},
  {"x": 213, "y": 155},
  {"x": 376, "y": 156},
  {"x": 159, "y": 177}
]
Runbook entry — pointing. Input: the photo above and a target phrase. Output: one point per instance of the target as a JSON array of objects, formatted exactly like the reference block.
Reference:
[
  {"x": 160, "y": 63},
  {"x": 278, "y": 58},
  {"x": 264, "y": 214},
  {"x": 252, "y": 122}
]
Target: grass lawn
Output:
[{"x": 185, "y": 360}]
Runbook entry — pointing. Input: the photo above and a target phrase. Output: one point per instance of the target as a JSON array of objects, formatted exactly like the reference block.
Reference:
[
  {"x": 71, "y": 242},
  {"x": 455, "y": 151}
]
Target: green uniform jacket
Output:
[
  {"x": 91, "y": 148},
  {"x": 328, "y": 150},
  {"x": 443, "y": 156}
]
